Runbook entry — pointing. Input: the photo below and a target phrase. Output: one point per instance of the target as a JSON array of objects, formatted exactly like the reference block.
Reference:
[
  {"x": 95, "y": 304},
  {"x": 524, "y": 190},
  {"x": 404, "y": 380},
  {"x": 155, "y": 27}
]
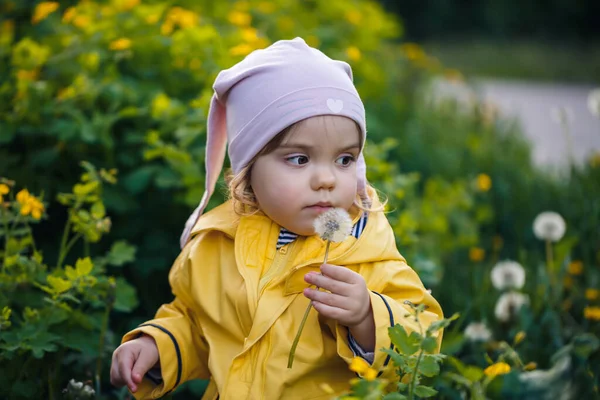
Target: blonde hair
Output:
[{"x": 244, "y": 200}]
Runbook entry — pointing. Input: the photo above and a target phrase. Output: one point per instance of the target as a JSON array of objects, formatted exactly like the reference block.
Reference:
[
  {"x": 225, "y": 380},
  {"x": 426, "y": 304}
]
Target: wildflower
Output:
[
  {"x": 160, "y": 104},
  {"x": 592, "y": 313},
  {"x": 499, "y": 368},
  {"x": 69, "y": 14},
  {"x": 519, "y": 337},
  {"x": 239, "y": 18},
  {"x": 484, "y": 182},
  {"x": 594, "y": 102},
  {"x": 334, "y": 225},
  {"x": 478, "y": 332},
  {"x": 476, "y": 254},
  {"x": 530, "y": 366},
  {"x": 30, "y": 204},
  {"x": 561, "y": 115},
  {"x": 354, "y": 17},
  {"x": 120, "y": 44},
  {"x": 592, "y": 294},
  {"x": 508, "y": 275},
  {"x": 549, "y": 226},
  {"x": 509, "y": 304},
  {"x": 42, "y": 10},
  {"x": 353, "y": 53},
  {"x": 575, "y": 267},
  {"x": 359, "y": 365},
  {"x": 242, "y": 49},
  {"x": 4, "y": 189}
]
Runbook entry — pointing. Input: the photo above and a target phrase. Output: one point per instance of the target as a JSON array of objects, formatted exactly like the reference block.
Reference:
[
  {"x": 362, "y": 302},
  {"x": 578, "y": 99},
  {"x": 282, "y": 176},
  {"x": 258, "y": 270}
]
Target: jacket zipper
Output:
[{"x": 278, "y": 264}]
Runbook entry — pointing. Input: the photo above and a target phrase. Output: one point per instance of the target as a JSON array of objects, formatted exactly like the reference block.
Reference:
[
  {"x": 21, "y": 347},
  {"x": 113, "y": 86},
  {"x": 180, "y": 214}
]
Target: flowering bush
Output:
[{"x": 54, "y": 320}]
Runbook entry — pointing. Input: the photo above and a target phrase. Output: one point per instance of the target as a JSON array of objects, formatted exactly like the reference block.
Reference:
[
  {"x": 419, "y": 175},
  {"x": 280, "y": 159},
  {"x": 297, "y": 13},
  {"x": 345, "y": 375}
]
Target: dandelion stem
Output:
[
  {"x": 549, "y": 263},
  {"x": 297, "y": 338}
]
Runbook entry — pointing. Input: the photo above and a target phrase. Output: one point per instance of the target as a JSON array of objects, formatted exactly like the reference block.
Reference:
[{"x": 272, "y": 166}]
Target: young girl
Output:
[{"x": 295, "y": 125}]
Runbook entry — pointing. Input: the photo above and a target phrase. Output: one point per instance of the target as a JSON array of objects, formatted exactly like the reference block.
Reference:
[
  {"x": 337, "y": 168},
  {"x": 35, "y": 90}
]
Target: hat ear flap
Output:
[{"x": 216, "y": 144}]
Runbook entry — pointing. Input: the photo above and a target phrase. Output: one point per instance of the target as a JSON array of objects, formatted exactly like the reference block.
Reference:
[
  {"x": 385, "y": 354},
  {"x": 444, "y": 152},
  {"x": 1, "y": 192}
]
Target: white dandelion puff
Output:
[
  {"x": 334, "y": 225},
  {"x": 508, "y": 275},
  {"x": 478, "y": 332},
  {"x": 509, "y": 304},
  {"x": 593, "y": 102},
  {"x": 549, "y": 226}
]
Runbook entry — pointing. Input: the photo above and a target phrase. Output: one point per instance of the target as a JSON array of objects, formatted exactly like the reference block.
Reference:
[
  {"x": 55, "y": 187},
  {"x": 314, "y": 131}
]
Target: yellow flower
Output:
[
  {"x": 129, "y": 4},
  {"x": 592, "y": 313},
  {"x": 69, "y": 14},
  {"x": 354, "y": 17},
  {"x": 120, "y": 44},
  {"x": 313, "y": 41},
  {"x": 27, "y": 75},
  {"x": 519, "y": 337},
  {"x": 30, "y": 204},
  {"x": 152, "y": 19},
  {"x": 359, "y": 365},
  {"x": 4, "y": 189},
  {"x": 484, "y": 182},
  {"x": 160, "y": 104},
  {"x": 239, "y": 18},
  {"x": 530, "y": 366},
  {"x": 592, "y": 294},
  {"x": 499, "y": 368},
  {"x": 353, "y": 53},
  {"x": 249, "y": 35},
  {"x": 241, "y": 50},
  {"x": 476, "y": 254},
  {"x": 81, "y": 21},
  {"x": 42, "y": 10},
  {"x": 595, "y": 160},
  {"x": 575, "y": 267},
  {"x": 412, "y": 51},
  {"x": 370, "y": 374},
  {"x": 167, "y": 28},
  {"x": 23, "y": 196}
]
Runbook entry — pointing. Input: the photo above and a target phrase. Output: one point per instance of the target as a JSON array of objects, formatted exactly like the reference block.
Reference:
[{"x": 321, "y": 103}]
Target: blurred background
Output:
[{"x": 484, "y": 133}]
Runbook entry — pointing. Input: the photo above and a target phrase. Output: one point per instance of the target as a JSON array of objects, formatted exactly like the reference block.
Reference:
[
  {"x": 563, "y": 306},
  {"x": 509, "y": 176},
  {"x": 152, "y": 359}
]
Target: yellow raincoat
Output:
[{"x": 238, "y": 305}]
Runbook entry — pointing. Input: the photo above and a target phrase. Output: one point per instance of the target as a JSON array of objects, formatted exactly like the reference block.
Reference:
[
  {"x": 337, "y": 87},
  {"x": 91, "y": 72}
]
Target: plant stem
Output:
[
  {"x": 6, "y": 230},
  {"x": 297, "y": 338},
  {"x": 63, "y": 242},
  {"x": 64, "y": 253},
  {"x": 413, "y": 381},
  {"x": 101, "y": 343},
  {"x": 549, "y": 264}
]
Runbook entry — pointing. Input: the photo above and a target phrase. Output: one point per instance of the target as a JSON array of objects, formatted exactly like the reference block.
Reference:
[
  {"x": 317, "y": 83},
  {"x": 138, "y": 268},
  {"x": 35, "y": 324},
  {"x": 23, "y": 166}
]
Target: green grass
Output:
[{"x": 521, "y": 60}]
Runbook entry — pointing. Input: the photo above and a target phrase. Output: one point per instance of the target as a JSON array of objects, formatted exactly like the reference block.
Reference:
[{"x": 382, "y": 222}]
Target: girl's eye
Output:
[
  {"x": 345, "y": 160},
  {"x": 297, "y": 160}
]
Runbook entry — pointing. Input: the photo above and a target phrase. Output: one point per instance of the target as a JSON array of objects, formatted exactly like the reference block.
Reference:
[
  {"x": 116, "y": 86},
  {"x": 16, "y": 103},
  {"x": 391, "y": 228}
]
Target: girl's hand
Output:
[
  {"x": 131, "y": 361},
  {"x": 349, "y": 302}
]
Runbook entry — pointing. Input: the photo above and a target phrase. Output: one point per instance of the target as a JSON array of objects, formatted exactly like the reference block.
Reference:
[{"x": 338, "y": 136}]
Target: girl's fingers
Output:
[
  {"x": 328, "y": 283},
  {"x": 329, "y": 311},
  {"x": 329, "y": 299},
  {"x": 339, "y": 273},
  {"x": 125, "y": 362}
]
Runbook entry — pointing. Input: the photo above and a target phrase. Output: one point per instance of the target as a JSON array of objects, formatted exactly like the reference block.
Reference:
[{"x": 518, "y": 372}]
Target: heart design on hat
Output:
[{"x": 335, "y": 105}]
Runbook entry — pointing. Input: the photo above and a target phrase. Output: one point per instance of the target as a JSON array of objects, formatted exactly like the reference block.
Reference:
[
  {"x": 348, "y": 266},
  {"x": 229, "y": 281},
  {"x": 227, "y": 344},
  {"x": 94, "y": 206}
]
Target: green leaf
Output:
[
  {"x": 429, "y": 366},
  {"x": 394, "y": 396},
  {"x": 98, "y": 211},
  {"x": 137, "y": 181},
  {"x": 402, "y": 386},
  {"x": 84, "y": 266},
  {"x": 126, "y": 296},
  {"x": 585, "y": 344},
  {"x": 429, "y": 344},
  {"x": 398, "y": 359},
  {"x": 443, "y": 323},
  {"x": 407, "y": 344},
  {"x": 121, "y": 253},
  {"x": 424, "y": 391}
]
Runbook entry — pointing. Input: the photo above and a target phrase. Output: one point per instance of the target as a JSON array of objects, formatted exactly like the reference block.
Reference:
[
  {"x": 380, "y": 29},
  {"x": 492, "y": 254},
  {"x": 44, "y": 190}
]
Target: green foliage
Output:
[{"x": 55, "y": 319}]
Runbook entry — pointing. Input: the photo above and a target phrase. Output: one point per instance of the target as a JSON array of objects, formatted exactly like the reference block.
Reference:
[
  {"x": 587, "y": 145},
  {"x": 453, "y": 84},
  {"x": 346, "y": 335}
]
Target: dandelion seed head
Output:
[
  {"x": 334, "y": 225},
  {"x": 594, "y": 102},
  {"x": 478, "y": 332},
  {"x": 508, "y": 275},
  {"x": 509, "y": 304},
  {"x": 549, "y": 226}
]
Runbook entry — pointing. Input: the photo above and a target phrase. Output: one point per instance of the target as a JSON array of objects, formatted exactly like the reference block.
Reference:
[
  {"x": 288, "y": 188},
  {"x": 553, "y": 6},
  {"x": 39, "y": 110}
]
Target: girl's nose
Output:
[{"x": 323, "y": 178}]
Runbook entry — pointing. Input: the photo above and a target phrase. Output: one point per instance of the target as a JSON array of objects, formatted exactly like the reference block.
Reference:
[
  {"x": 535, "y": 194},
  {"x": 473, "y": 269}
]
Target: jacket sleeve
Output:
[
  {"x": 391, "y": 284},
  {"x": 181, "y": 346}
]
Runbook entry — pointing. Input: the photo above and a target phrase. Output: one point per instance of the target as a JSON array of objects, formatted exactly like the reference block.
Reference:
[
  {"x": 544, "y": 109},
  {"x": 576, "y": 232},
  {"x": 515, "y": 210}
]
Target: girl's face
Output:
[{"x": 312, "y": 170}]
